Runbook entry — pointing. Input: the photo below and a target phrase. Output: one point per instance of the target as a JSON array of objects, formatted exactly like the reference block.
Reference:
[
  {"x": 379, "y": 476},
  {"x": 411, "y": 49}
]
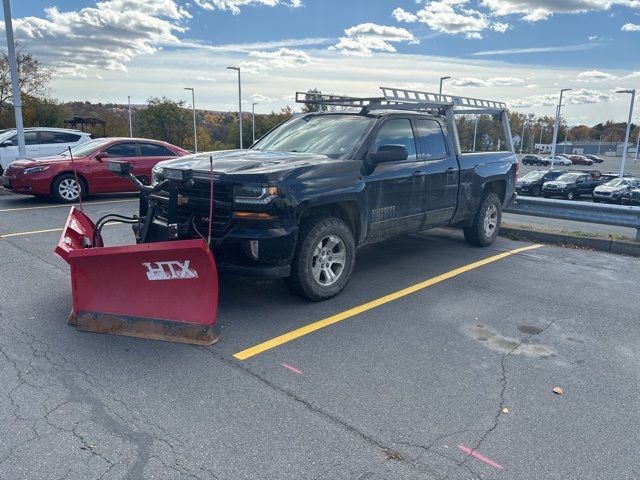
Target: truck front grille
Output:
[{"x": 195, "y": 201}]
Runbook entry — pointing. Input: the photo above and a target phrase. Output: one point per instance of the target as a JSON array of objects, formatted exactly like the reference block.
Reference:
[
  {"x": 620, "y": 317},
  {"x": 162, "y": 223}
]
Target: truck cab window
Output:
[
  {"x": 432, "y": 143},
  {"x": 397, "y": 132}
]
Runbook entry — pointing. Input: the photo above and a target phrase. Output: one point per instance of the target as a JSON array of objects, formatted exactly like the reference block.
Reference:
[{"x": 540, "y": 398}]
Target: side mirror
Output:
[
  {"x": 388, "y": 153},
  {"x": 122, "y": 169},
  {"x": 101, "y": 156}
]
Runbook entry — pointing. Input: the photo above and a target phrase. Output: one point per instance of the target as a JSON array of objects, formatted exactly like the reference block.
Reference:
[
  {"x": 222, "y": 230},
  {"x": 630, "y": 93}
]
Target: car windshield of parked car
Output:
[
  {"x": 85, "y": 148},
  {"x": 535, "y": 175},
  {"x": 616, "y": 182},
  {"x": 332, "y": 135},
  {"x": 568, "y": 177}
]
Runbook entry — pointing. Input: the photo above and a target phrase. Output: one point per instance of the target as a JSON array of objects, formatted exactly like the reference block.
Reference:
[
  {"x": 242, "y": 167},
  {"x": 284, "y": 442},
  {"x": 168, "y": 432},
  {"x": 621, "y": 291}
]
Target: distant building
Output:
[{"x": 580, "y": 148}]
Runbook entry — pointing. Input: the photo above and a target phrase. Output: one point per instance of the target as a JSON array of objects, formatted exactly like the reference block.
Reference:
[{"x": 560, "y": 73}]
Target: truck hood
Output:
[
  {"x": 558, "y": 184},
  {"x": 246, "y": 161}
]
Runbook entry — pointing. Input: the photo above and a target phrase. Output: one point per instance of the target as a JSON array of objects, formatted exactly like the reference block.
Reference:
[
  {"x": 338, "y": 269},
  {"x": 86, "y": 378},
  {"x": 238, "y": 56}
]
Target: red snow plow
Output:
[{"x": 162, "y": 291}]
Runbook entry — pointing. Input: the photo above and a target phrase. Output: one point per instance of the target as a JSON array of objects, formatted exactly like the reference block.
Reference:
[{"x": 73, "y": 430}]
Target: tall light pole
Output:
[
  {"x": 253, "y": 122},
  {"x": 193, "y": 107},
  {"x": 239, "y": 101},
  {"x": 15, "y": 88},
  {"x": 524, "y": 124},
  {"x": 475, "y": 131},
  {"x": 442, "y": 79},
  {"x": 555, "y": 128},
  {"x": 600, "y": 143},
  {"x": 130, "y": 124},
  {"x": 626, "y": 137},
  {"x": 540, "y": 144},
  {"x": 637, "y": 145}
]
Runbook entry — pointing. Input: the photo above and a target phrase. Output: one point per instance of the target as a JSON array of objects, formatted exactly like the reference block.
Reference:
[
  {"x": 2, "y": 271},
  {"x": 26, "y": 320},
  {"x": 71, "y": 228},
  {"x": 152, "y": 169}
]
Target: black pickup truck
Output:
[{"x": 302, "y": 199}]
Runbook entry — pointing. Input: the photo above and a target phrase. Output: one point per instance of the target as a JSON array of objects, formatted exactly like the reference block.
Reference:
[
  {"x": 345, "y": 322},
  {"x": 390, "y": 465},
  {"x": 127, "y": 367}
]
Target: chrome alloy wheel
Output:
[
  {"x": 490, "y": 220},
  {"x": 68, "y": 189},
  {"x": 328, "y": 261}
]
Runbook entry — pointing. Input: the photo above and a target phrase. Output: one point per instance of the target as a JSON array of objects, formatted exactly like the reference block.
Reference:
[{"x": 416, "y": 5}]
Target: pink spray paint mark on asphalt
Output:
[
  {"x": 293, "y": 369},
  {"x": 475, "y": 454}
]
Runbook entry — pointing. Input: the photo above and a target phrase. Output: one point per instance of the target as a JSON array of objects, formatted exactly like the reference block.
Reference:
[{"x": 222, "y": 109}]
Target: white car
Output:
[
  {"x": 557, "y": 160},
  {"x": 40, "y": 142}
]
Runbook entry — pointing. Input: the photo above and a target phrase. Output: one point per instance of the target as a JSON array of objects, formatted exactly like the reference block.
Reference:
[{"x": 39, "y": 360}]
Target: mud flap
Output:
[{"x": 162, "y": 291}]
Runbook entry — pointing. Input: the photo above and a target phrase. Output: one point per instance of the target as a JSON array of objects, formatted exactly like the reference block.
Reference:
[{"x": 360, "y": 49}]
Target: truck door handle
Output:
[{"x": 419, "y": 173}]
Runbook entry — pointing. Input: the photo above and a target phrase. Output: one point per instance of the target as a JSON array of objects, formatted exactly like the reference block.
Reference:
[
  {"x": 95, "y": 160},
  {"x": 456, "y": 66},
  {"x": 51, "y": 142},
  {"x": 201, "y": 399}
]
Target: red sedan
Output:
[
  {"x": 580, "y": 160},
  {"x": 54, "y": 175}
]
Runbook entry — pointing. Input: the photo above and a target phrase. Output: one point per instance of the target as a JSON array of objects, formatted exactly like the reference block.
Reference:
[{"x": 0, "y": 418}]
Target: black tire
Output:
[
  {"x": 571, "y": 195},
  {"x": 535, "y": 190},
  {"x": 58, "y": 188},
  {"x": 303, "y": 281},
  {"x": 546, "y": 195},
  {"x": 478, "y": 234},
  {"x": 595, "y": 200}
]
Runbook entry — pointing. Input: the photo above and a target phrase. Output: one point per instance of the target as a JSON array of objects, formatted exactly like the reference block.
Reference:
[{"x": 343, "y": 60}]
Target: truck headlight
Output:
[
  {"x": 27, "y": 171},
  {"x": 254, "y": 194}
]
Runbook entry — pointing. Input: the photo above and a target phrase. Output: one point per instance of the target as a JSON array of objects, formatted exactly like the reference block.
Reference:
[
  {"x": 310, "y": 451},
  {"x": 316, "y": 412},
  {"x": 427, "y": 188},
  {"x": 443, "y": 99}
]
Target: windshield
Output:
[
  {"x": 6, "y": 135},
  {"x": 568, "y": 177},
  {"x": 535, "y": 175},
  {"x": 331, "y": 135},
  {"x": 616, "y": 182},
  {"x": 85, "y": 148}
]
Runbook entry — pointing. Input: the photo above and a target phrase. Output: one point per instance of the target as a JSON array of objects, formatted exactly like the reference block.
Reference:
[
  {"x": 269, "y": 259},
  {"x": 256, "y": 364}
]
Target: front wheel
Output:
[
  {"x": 324, "y": 258},
  {"x": 65, "y": 188},
  {"x": 535, "y": 190},
  {"x": 486, "y": 222},
  {"x": 571, "y": 195}
]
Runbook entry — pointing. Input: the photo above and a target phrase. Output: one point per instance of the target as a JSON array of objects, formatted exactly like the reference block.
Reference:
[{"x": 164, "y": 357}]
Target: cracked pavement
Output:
[{"x": 393, "y": 393}]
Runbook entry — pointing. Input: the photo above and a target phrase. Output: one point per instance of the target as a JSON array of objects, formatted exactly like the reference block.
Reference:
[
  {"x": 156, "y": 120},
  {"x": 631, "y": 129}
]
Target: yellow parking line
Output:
[
  {"x": 19, "y": 209},
  {"x": 312, "y": 327},
  {"x": 48, "y": 230}
]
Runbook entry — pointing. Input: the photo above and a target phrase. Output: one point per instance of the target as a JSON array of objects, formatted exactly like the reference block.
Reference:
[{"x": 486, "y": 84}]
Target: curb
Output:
[{"x": 565, "y": 239}]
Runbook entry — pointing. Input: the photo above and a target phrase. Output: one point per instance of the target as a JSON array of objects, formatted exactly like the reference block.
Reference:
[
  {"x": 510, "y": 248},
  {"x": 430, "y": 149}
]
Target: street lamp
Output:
[
  {"x": 524, "y": 124},
  {"x": 555, "y": 128},
  {"x": 193, "y": 107},
  {"x": 600, "y": 143},
  {"x": 130, "y": 124},
  {"x": 475, "y": 131},
  {"x": 540, "y": 144},
  {"x": 441, "y": 80},
  {"x": 637, "y": 145},
  {"x": 15, "y": 88},
  {"x": 626, "y": 137},
  {"x": 239, "y": 101},
  {"x": 253, "y": 122}
]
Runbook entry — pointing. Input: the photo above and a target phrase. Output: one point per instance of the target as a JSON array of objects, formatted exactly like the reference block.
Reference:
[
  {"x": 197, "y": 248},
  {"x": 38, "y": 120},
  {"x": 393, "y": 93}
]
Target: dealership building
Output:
[{"x": 608, "y": 149}]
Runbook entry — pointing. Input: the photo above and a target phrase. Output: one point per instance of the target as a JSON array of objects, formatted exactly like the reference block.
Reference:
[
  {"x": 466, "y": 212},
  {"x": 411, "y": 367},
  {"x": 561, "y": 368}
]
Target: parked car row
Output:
[
  {"x": 561, "y": 159},
  {"x": 54, "y": 176},
  {"x": 571, "y": 184}
]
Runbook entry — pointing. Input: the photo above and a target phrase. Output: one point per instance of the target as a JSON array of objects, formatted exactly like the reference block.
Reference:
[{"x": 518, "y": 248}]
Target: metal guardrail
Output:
[{"x": 604, "y": 214}]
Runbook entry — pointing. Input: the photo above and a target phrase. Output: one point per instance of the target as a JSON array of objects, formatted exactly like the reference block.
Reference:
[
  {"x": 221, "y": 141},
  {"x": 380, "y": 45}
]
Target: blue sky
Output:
[{"x": 520, "y": 51}]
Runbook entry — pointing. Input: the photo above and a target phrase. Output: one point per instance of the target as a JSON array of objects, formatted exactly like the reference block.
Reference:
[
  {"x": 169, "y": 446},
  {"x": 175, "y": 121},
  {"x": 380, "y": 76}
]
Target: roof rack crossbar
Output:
[{"x": 403, "y": 99}]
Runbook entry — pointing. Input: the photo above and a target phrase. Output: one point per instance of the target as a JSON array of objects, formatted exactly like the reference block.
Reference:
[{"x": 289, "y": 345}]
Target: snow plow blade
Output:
[{"x": 161, "y": 291}]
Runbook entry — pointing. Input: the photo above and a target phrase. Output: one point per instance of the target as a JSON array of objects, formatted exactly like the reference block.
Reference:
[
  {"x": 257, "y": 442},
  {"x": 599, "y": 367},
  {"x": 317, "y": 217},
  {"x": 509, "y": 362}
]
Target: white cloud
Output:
[
  {"x": 535, "y": 10},
  {"x": 278, "y": 59},
  {"x": 257, "y": 97},
  {"x": 233, "y": 6},
  {"x": 205, "y": 78},
  {"x": 559, "y": 48},
  {"x": 490, "y": 82},
  {"x": 362, "y": 40},
  {"x": 630, "y": 27},
  {"x": 451, "y": 17},
  {"x": 595, "y": 76},
  {"x": 107, "y": 36},
  {"x": 575, "y": 97},
  {"x": 402, "y": 15}
]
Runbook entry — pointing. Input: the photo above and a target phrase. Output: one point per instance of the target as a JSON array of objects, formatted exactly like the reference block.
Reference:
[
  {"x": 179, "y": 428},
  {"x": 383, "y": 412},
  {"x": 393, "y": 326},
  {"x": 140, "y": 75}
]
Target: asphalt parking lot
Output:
[{"x": 437, "y": 361}]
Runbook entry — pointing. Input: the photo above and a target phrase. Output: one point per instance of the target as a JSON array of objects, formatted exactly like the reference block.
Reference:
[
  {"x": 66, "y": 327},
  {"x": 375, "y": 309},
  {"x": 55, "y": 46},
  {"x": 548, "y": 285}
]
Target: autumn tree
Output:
[
  {"x": 33, "y": 77},
  {"x": 167, "y": 120}
]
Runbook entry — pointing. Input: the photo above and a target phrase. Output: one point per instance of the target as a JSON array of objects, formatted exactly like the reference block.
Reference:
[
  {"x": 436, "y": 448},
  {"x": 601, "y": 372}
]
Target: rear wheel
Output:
[
  {"x": 324, "y": 258},
  {"x": 65, "y": 188},
  {"x": 486, "y": 222},
  {"x": 535, "y": 190}
]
